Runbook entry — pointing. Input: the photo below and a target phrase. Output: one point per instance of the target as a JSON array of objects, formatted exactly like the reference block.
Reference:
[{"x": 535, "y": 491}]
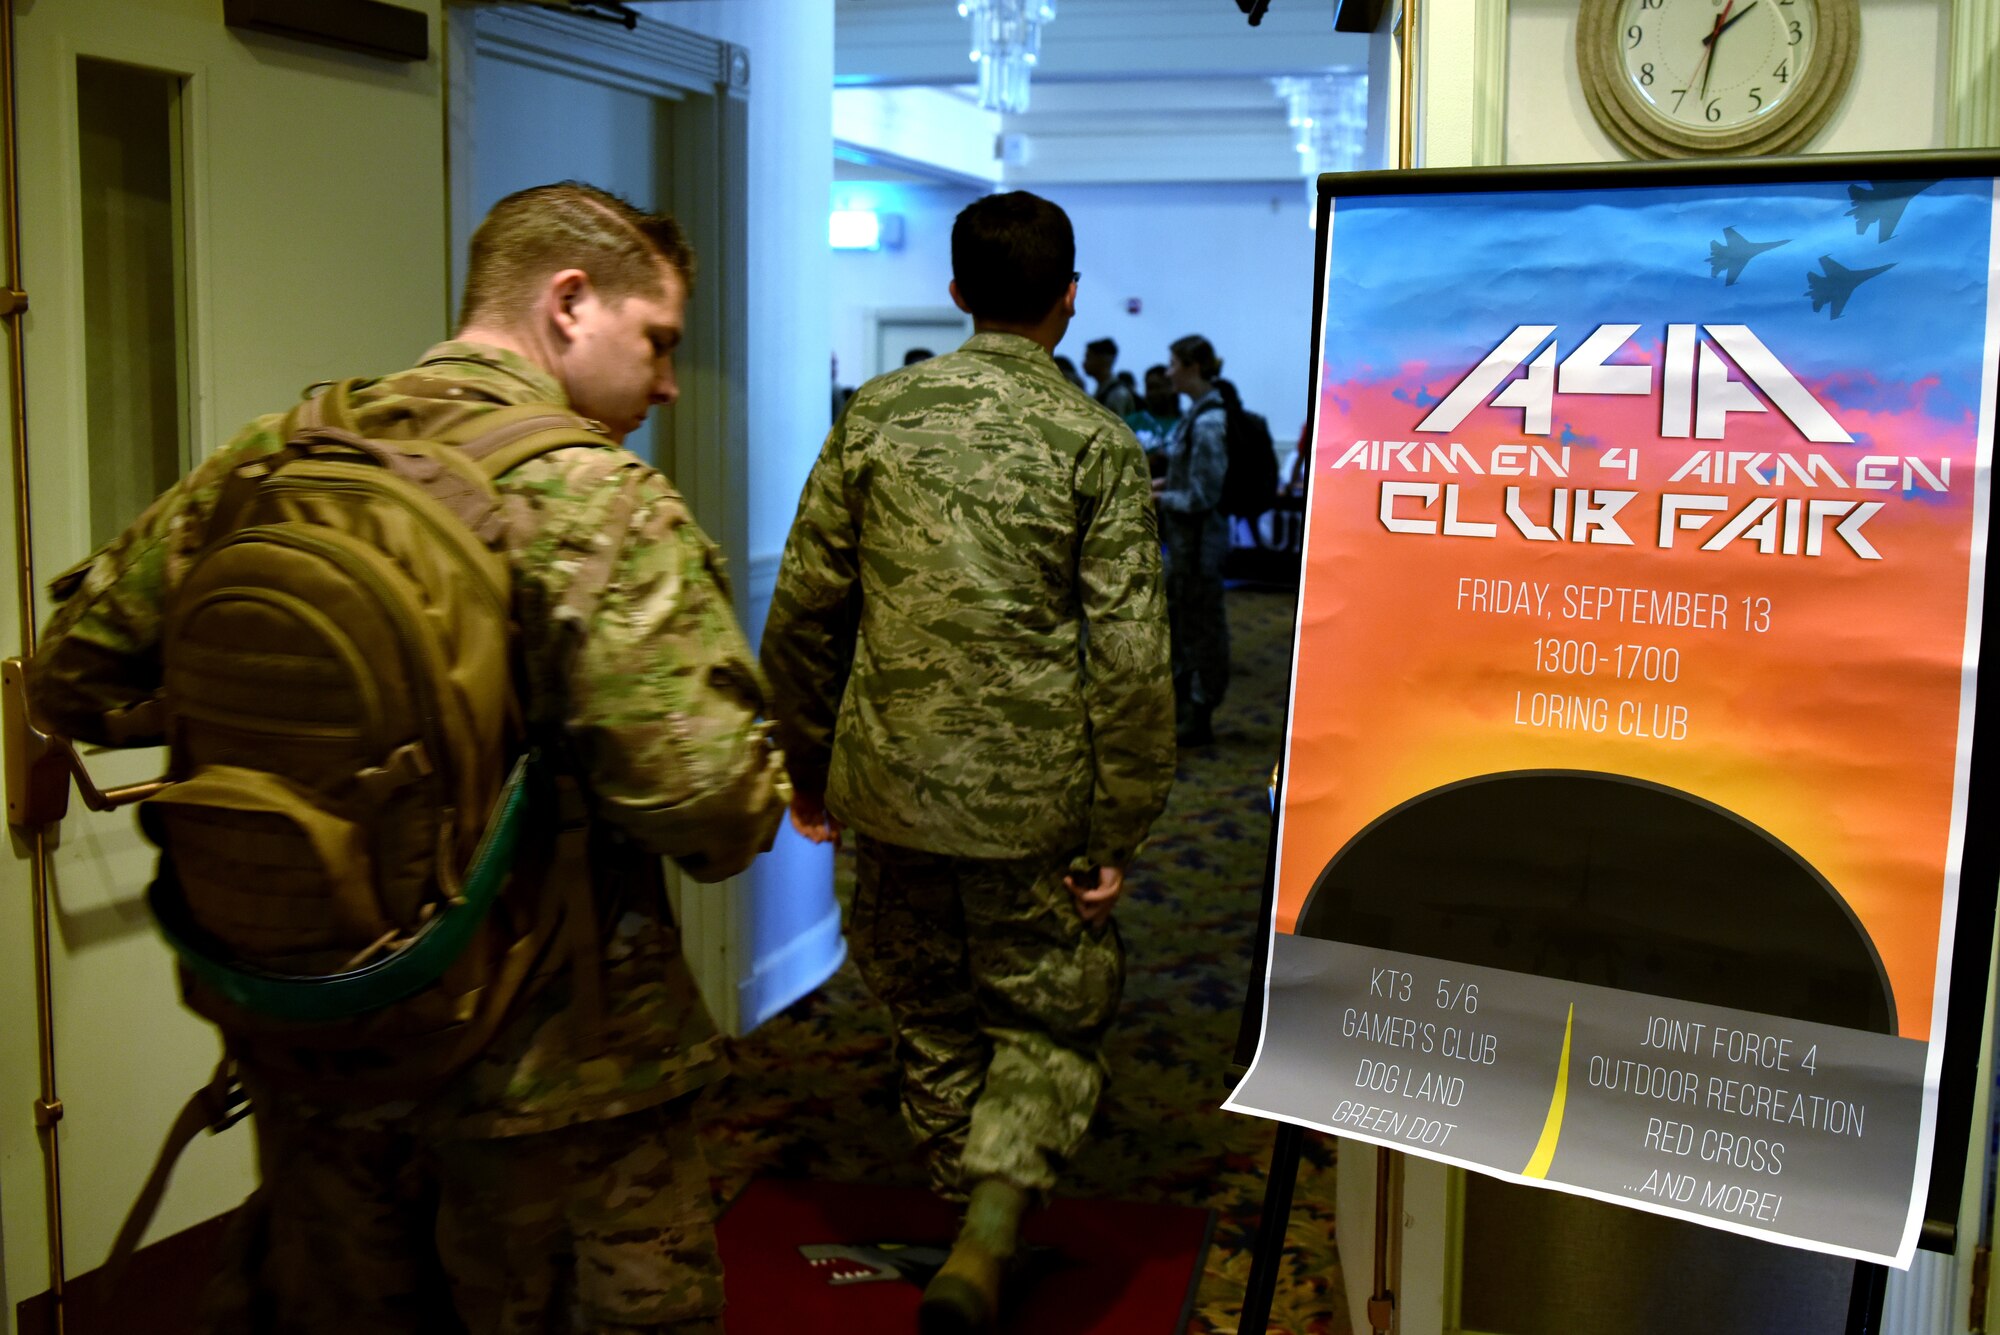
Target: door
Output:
[
  {"x": 211, "y": 219},
  {"x": 901, "y": 332},
  {"x": 609, "y": 135},
  {"x": 658, "y": 114}
]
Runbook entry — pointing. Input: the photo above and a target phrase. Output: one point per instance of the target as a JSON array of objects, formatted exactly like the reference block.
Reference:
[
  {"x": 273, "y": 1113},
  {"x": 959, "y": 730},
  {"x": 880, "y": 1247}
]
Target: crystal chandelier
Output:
[
  {"x": 1006, "y": 42},
  {"x": 1328, "y": 114}
]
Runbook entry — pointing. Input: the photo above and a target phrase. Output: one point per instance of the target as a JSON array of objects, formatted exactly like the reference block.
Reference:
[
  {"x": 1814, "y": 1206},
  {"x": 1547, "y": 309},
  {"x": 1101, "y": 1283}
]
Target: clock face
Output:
[
  {"x": 1720, "y": 66},
  {"x": 1683, "y": 78}
]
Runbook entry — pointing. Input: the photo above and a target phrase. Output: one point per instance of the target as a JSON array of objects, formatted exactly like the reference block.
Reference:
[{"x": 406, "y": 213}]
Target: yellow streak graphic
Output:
[{"x": 1545, "y": 1148}]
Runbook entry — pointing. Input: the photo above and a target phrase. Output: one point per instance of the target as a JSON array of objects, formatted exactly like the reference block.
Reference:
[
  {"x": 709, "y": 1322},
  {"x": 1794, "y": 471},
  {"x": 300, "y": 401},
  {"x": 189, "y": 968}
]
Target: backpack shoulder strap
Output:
[
  {"x": 330, "y": 409},
  {"x": 502, "y": 441}
]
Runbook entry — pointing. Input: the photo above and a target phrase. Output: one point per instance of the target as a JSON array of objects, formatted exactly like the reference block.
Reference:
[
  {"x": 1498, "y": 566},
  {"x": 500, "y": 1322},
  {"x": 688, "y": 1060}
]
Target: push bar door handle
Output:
[{"x": 40, "y": 765}]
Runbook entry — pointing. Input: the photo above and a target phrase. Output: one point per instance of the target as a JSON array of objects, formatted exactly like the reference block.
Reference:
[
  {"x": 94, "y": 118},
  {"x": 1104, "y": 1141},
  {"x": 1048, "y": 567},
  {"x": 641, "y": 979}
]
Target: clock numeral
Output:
[
  {"x": 1714, "y": 110},
  {"x": 1655, "y": 4},
  {"x": 1646, "y": 74},
  {"x": 1680, "y": 96},
  {"x": 1756, "y": 99},
  {"x": 1632, "y": 36},
  {"x": 1796, "y": 32},
  {"x": 1784, "y": 71}
]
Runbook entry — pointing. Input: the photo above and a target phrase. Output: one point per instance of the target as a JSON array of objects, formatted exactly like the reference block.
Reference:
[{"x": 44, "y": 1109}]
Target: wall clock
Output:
[{"x": 1692, "y": 78}]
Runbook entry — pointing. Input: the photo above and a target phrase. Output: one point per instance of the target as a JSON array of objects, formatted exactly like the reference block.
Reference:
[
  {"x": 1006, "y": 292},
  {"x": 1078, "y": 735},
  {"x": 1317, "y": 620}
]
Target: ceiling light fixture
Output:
[
  {"x": 1006, "y": 44},
  {"x": 1328, "y": 114}
]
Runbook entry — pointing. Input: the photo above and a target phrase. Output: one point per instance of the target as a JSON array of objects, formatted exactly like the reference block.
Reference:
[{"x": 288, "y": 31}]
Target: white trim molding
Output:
[
  {"x": 1973, "y": 118},
  {"x": 1462, "y": 83}
]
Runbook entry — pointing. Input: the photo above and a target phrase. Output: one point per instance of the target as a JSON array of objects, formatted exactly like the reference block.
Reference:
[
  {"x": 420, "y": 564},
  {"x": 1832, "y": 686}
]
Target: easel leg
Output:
[
  {"x": 1269, "y": 1247},
  {"x": 1382, "y": 1301},
  {"x": 1864, "y": 1303}
]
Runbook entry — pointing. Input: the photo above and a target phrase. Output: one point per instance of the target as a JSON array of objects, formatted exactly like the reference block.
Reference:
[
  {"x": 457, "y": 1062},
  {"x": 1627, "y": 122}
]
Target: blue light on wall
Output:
[{"x": 864, "y": 229}]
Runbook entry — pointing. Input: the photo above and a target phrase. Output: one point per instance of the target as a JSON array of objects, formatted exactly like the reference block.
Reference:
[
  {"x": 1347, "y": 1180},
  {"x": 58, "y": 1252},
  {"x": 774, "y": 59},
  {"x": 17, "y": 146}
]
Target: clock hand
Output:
[
  {"x": 1710, "y": 39},
  {"x": 1708, "y": 56}
]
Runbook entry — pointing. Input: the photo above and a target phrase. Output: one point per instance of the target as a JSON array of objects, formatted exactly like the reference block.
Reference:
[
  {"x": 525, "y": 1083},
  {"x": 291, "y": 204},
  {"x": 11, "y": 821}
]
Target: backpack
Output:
[
  {"x": 1251, "y": 484},
  {"x": 347, "y": 874}
]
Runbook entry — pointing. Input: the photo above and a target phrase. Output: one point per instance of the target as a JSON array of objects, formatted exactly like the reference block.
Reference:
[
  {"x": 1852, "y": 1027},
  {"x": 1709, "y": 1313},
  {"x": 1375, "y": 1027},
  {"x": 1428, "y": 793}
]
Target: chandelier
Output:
[
  {"x": 1328, "y": 114},
  {"x": 1006, "y": 43}
]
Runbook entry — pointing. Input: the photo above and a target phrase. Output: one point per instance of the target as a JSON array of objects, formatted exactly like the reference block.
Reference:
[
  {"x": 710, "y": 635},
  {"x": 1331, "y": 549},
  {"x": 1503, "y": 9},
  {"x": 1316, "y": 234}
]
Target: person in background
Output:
[
  {"x": 1196, "y": 534},
  {"x": 1295, "y": 483},
  {"x": 915, "y": 355},
  {"x": 967, "y": 648},
  {"x": 1153, "y": 420},
  {"x": 1068, "y": 369},
  {"x": 1100, "y": 356},
  {"x": 840, "y": 391}
]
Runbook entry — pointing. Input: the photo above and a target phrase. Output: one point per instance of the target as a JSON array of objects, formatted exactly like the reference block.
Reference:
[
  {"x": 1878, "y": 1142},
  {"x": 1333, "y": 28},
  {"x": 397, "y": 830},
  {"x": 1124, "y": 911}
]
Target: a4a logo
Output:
[{"x": 1697, "y": 393}]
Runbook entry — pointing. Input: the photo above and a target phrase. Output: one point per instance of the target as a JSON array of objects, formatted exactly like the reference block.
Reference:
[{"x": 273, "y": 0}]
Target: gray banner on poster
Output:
[{"x": 1792, "y": 1130}]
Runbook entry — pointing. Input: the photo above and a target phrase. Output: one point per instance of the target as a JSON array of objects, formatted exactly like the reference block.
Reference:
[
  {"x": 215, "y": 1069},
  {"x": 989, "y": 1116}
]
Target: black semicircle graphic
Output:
[{"x": 1608, "y": 880}]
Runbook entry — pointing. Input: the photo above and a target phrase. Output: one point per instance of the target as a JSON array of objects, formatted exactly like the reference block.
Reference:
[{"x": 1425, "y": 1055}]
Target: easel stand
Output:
[{"x": 1864, "y": 1303}]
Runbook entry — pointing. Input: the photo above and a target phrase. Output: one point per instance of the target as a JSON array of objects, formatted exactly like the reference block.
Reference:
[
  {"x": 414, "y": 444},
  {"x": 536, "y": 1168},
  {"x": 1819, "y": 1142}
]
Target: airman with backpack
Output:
[{"x": 443, "y": 672}]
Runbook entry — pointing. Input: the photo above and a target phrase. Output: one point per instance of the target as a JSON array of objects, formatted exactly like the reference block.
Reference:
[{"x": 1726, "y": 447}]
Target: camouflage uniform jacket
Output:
[
  {"x": 1197, "y": 458},
  {"x": 657, "y": 695},
  {"x": 967, "y": 646}
]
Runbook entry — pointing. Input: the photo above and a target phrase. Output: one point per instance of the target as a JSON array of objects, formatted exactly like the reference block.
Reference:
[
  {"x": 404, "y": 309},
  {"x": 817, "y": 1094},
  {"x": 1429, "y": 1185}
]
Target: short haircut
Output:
[
  {"x": 1157, "y": 368},
  {"x": 1012, "y": 257},
  {"x": 915, "y": 355},
  {"x": 1198, "y": 352},
  {"x": 542, "y": 230},
  {"x": 1107, "y": 346}
]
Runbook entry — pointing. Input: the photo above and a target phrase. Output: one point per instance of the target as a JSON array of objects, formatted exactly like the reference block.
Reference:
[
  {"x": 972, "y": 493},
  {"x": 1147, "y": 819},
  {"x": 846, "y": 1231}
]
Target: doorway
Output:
[
  {"x": 657, "y": 115},
  {"x": 896, "y": 332}
]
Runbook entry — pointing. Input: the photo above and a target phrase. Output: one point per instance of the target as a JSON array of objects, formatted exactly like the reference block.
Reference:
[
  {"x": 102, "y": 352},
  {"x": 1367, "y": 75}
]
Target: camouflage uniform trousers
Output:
[
  {"x": 600, "y": 1228},
  {"x": 1197, "y": 626},
  {"x": 1000, "y": 995}
]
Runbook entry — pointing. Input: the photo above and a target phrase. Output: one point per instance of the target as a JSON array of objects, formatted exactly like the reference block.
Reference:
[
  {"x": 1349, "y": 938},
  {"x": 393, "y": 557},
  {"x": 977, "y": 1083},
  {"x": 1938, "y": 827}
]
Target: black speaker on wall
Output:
[{"x": 372, "y": 27}]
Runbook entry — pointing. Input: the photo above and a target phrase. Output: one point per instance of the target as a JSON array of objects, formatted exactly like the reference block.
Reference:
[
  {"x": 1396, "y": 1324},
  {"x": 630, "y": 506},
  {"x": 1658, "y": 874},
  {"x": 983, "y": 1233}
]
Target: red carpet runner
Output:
[{"x": 1104, "y": 1267}]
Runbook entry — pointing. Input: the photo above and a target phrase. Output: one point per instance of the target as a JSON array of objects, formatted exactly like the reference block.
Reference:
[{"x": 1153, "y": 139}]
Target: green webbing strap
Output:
[
  {"x": 515, "y": 453},
  {"x": 398, "y": 975},
  {"x": 503, "y": 440},
  {"x": 215, "y": 1107}
]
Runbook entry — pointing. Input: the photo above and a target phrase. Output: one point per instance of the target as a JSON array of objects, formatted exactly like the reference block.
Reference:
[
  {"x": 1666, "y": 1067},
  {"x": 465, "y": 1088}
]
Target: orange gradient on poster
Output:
[{"x": 1818, "y": 697}]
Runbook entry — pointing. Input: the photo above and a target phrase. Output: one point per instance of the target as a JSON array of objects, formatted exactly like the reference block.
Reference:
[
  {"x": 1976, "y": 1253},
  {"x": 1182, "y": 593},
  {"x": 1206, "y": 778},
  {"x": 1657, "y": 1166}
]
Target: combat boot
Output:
[
  {"x": 963, "y": 1298},
  {"x": 1194, "y": 728}
]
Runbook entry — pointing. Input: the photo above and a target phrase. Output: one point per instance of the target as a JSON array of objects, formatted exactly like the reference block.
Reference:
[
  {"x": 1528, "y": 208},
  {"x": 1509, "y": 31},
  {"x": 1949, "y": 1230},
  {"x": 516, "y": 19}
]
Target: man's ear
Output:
[
  {"x": 956, "y": 299},
  {"x": 565, "y": 292},
  {"x": 1069, "y": 300}
]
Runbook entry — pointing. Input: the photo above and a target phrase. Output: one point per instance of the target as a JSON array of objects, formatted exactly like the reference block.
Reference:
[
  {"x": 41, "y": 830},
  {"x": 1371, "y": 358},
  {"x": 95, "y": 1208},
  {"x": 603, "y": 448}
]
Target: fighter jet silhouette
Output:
[
  {"x": 1837, "y": 284},
  {"x": 1733, "y": 252},
  {"x": 1882, "y": 205}
]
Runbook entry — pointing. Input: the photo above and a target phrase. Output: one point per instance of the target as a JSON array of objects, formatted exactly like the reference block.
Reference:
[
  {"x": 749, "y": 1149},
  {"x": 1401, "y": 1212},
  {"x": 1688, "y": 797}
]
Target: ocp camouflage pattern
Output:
[
  {"x": 601, "y": 1227},
  {"x": 652, "y": 684},
  {"x": 967, "y": 645}
]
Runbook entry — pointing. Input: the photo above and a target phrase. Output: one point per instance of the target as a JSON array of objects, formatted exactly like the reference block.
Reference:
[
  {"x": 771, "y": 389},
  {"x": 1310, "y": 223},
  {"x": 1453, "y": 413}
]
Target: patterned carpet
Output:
[{"x": 814, "y": 1093}]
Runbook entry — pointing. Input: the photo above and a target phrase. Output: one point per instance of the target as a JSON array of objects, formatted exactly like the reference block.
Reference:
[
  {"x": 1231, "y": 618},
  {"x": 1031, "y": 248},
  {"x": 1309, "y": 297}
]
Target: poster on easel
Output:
[{"x": 1626, "y": 840}]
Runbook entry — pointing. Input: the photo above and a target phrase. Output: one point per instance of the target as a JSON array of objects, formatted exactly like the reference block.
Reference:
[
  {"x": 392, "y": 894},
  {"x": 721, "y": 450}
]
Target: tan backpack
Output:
[{"x": 356, "y": 849}]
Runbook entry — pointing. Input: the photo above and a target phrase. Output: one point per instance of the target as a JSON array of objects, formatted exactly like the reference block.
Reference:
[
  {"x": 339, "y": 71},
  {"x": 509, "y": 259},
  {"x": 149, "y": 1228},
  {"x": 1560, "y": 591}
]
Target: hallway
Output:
[{"x": 814, "y": 1092}]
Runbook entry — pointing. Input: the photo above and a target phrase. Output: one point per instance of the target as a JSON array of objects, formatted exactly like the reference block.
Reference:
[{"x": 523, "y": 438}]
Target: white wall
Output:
[
  {"x": 1897, "y": 101},
  {"x": 1233, "y": 262},
  {"x": 912, "y": 278},
  {"x": 790, "y": 934}
]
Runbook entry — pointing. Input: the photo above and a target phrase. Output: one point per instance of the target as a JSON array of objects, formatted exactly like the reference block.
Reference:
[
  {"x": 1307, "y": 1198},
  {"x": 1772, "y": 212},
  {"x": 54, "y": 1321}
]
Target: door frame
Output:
[
  {"x": 950, "y": 318},
  {"x": 709, "y": 83}
]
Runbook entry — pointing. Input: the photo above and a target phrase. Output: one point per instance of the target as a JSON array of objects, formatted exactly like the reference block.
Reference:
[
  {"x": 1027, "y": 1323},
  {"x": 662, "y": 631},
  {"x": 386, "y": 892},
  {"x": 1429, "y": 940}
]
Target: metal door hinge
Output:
[
  {"x": 1382, "y": 1311},
  {"x": 48, "y": 1112},
  {"x": 13, "y": 301}
]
